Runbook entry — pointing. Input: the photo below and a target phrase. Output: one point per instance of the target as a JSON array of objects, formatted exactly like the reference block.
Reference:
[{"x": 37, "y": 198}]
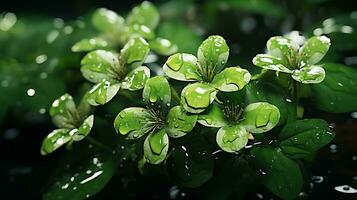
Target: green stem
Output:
[
  {"x": 97, "y": 143},
  {"x": 175, "y": 95},
  {"x": 258, "y": 76}
]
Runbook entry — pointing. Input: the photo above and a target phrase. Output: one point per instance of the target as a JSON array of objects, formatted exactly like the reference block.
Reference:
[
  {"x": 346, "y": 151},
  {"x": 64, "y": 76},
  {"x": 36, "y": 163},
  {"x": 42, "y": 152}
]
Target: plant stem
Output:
[
  {"x": 96, "y": 142},
  {"x": 258, "y": 76},
  {"x": 175, "y": 95}
]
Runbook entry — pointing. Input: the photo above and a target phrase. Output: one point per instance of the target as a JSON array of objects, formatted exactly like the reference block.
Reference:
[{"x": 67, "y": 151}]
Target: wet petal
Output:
[
  {"x": 84, "y": 129},
  {"x": 63, "y": 112},
  {"x": 107, "y": 20},
  {"x": 231, "y": 79},
  {"x": 137, "y": 30},
  {"x": 213, "y": 54},
  {"x": 157, "y": 91},
  {"x": 135, "y": 51},
  {"x": 309, "y": 74},
  {"x": 163, "y": 46},
  {"x": 232, "y": 138},
  {"x": 212, "y": 117},
  {"x": 156, "y": 146},
  {"x": 196, "y": 97},
  {"x": 283, "y": 48},
  {"x": 136, "y": 79},
  {"x": 102, "y": 93},
  {"x": 99, "y": 65},
  {"x": 90, "y": 45},
  {"x": 54, "y": 140},
  {"x": 270, "y": 62},
  {"x": 314, "y": 49},
  {"x": 179, "y": 122},
  {"x": 260, "y": 117},
  {"x": 183, "y": 67},
  {"x": 132, "y": 122},
  {"x": 144, "y": 14}
]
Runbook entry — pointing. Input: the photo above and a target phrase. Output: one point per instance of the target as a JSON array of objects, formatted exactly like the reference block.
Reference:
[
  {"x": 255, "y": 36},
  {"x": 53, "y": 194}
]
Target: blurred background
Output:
[{"x": 37, "y": 65}]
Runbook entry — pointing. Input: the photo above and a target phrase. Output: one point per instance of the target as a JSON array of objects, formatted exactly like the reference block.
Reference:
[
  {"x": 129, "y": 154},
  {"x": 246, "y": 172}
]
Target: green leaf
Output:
[
  {"x": 90, "y": 45},
  {"x": 270, "y": 62},
  {"x": 144, "y": 14},
  {"x": 212, "y": 117},
  {"x": 232, "y": 138},
  {"x": 314, "y": 49},
  {"x": 135, "y": 51},
  {"x": 338, "y": 92},
  {"x": 54, "y": 140},
  {"x": 157, "y": 91},
  {"x": 309, "y": 74},
  {"x": 282, "y": 176},
  {"x": 179, "y": 122},
  {"x": 213, "y": 54},
  {"x": 283, "y": 48},
  {"x": 163, "y": 46},
  {"x": 260, "y": 117},
  {"x": 196, "y": 97},
  {"x": 183, "y": 67},
  {"x": 106, "y": 20},
  {"x": 102, "y": 93},
  {"x": 100, "y": 65},
  {"x": 63, "y": 112},
  {"x": 156, "y": 146},
  {"x": 132, "y": 122},
  {"x": 136, "y": 79},
  {"x": 143, "y": 31},
  {"x": 84, "y": 129},
  {"x": 303, "y": 137},
  {"x": 231, "y": 79}
]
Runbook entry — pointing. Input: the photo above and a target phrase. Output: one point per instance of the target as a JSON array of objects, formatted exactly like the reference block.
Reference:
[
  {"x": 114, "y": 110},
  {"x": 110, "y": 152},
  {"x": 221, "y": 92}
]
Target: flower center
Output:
[
  {"x": 157, "y": 120},
  {"x": 233, "y": 112}
]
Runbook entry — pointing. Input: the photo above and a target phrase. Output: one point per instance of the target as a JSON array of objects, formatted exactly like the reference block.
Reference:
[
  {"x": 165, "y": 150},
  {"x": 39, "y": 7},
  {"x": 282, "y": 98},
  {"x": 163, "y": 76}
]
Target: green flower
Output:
[
  {"x": 208, "y": 73},
  {"x": 111, "y": 72},
  {"x": 116, "y": 31},
  {"x": 72, "y": 124},
  {"x": 288, "y": 57},
  {"x": 236, "y": 122},
  {"x": 155, "y": 121}
]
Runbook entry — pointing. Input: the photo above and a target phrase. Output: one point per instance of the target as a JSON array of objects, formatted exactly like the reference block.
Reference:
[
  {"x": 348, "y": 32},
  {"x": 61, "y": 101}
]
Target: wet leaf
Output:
[
  {"x": 282, "y": 176},
  {"x": 183, "y": 67},
  {"x": 314, "y": 49},
  {"x": 135, "y": 51},
  {"x": 100, "y": 65},
  {"x": 84, "y": 129},
  {"x": 283, "y": 48},
  {"x": 338, "y": 92},
  {"x": 157, "y": 91},
  {"x": 196, "y": 97},
  {"x": 132, "y": 122},
  {"x": 156, "y": 146},
  {"x": 309, "y": 74},
  {"x": 303, "y": 137},
  {"x": 54, "y": 140},
  {"x": 90, "y": 45},
  {"x": 136, "y": 79},
  {"x": 163, "y": 46},
  {"x": 270, "y": 62},
  {"x": 212, "y": 117},
  {"x": 144, "y": 14},
  {"x": 179, "y": 122},
  {"x": 232, "y": 138},
  {"x": 260, "y": 117},
  {"x": 106, "y": 20},
  {"x": 213, "y": 54},
  {"x": 231, "y": 79},
  {"x": 102, "y": 93},
  {"x": 63, "y": 112},
  {"x": 137, "y": 30}
]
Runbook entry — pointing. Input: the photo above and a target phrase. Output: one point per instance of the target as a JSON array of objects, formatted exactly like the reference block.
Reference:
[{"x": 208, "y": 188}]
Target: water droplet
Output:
[
  {"x": 41, "y": 59},
  {"x": 31, "y": 92},
  {"x": 317, "y": 179},
  {"x": 346, "y": 189},
  {"x": 333, "y": 148}
]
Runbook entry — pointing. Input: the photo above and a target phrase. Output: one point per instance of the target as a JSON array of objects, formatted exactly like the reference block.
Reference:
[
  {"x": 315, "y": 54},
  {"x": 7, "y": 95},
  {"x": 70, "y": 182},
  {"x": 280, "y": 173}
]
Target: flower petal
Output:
[
  {"x": 83, "y": 130},
  {"x": 106, "y": 20},
  {"x": 283, "y": 48},
  {"x": 196, "y": 97},
  {"x": 135, "y": 51},
  {"x": 212, "y": 117},
  {"x": 63, "y": 112},
  {"x": 270, "y": 62},
  {"x": 156, "y": 146},
  {"x": 163, "y": 46},
  {"x": 260, "y": 117},
  {"x": 232, "y": 138},
  {"x": 231, "y": 79},
  {"x": 309, "y": 74},
  {"x": 144, "y": 14},
  {"x": 314, "y": 49},
  {"x": 132, "y": 122},
  {"x": 102, "y": 93},
  {"x": 54, "y": 140},
  {"x": 90, "y": 45},
  {"x": 179, "y": 122},
  {"x": 136, "y": 79},
  {"x": 183, "y": 67},
  {"x": 157, "y": 91}
]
